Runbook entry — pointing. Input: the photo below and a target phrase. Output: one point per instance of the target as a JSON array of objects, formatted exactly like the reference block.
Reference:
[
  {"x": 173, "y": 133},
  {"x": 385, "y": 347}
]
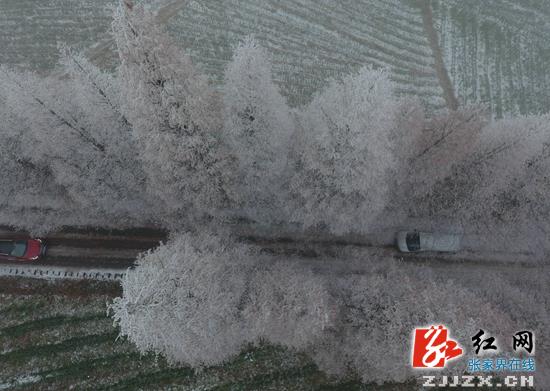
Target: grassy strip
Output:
[
  {"x": 50, "y": 322},
  {"x": 347, "y": 386},
  {"x": 164, "y": 377},
  {"x": 83, "y": 368},
  {"x": 259, "y": 382},
  {"x": 22, "y": 355},
  {"x": 172, "y": 376},
  {"x": 22, "y": 309},
  {"x": 35, "y": 288}
]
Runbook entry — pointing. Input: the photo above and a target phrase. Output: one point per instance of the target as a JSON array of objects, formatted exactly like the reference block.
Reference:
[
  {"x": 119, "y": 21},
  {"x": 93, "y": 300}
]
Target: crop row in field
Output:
[
  {"x": 495, "y": 51},
  {"x": 53, "y": 342}
]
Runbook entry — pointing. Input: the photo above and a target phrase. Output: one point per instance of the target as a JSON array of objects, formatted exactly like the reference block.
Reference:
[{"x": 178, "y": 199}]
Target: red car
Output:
[{"x": 22, "y": 249}]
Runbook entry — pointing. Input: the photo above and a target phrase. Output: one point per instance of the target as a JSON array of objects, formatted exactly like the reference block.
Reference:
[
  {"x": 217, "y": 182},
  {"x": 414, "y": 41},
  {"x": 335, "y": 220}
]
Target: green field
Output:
[{"x": 57, "y": 336}]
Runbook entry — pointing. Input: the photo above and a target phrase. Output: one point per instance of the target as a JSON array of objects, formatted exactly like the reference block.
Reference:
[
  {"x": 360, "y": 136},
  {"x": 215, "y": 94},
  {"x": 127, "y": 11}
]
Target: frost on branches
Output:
[
  {"x": 201, "y": 298},
  {"x": 345, "y": 157},
  {"x": 27, "y": 186},
  {"x": 175, "y": 117},
  {"x": 258, "y": 126},
  {"x": 155, "y": 143},
  {"x": 71, "y": 135},
  {"x": 513, "y": 160},
  {"x": 486, "y": 178}
]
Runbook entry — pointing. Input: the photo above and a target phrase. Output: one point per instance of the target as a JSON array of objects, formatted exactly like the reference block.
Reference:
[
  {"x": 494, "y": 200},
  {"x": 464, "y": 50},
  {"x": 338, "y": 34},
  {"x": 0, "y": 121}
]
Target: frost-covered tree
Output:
[
  {"x": 381, "y": 307},
  {"x": 186, "y": 291},
  {"x": 345, "y": 153},
  {"x": 487, "y": 179},
  {"x": 258, "y": 126},
  {"x": 288, "y": 304},
  {"x": 175, "y": 116},
  {"x": 30, "y": 198},
  {"x": 431, "y": 154},
  {"x": 512, "y": 161},
  {"x": 200, "y": 298},
  {"x": 154, "y": 142},
  {"x": 72, "y": 128},
  {"x": 446, "y": 139}
]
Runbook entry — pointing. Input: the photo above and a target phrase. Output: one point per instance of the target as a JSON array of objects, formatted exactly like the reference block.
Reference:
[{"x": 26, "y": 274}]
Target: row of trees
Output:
[
  {"x": 201, "y": 298},
  {"x": 155, "y": 143}
]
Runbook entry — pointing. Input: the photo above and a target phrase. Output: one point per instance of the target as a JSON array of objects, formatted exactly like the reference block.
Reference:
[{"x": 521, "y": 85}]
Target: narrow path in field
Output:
[{"x": 441, "y": 70}]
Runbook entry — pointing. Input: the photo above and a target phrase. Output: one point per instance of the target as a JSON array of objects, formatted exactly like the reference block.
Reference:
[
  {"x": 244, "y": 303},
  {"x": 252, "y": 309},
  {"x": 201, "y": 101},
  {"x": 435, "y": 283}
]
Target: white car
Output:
[{"x": 414, "y": 241}]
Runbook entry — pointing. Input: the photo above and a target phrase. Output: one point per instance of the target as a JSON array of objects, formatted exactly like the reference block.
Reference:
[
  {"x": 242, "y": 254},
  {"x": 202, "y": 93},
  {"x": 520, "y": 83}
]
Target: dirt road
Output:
[
  {"x": 75, "y": 252},
  {"x": 93, "y": 248}
]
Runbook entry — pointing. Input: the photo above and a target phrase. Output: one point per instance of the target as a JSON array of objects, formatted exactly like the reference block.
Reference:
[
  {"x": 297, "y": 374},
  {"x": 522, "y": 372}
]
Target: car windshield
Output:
[
  {"x": 15, "y": 248},
  {"x": 413, "y": 241}
]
